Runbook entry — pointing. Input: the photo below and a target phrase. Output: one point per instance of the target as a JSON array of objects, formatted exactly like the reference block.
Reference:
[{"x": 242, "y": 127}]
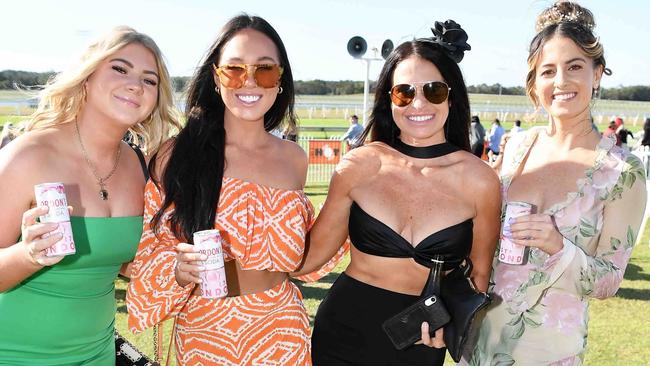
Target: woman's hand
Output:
[
  {"x": 436, "y": 341},
  {"x": 537, "y": 230},
  {"x": 35, "y": 240},
  {"x": 188, "y": 264}
]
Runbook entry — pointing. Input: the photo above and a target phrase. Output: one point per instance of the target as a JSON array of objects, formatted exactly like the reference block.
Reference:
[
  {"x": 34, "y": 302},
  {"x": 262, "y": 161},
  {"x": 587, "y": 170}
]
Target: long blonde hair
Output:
[{"x": 65, "y": 94}]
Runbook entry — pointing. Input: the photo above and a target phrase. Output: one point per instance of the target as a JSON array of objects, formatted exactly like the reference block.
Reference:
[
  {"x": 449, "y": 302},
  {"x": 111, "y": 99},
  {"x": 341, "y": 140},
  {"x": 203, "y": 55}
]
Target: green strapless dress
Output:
[{"x": 65, "y": 314}]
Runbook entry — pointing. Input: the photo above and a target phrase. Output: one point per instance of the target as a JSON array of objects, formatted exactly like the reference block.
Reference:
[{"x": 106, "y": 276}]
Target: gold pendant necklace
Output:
[{"x": 103, "y": 193}]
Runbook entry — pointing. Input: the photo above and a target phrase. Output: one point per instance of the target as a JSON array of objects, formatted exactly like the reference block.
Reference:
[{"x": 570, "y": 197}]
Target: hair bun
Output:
[
  {"x": 565, "y": 11},
  {"x": 452, "y": 38}
]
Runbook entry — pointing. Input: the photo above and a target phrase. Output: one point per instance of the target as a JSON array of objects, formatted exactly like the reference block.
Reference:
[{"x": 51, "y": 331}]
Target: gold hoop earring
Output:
[{"x": 280, "y": 90}]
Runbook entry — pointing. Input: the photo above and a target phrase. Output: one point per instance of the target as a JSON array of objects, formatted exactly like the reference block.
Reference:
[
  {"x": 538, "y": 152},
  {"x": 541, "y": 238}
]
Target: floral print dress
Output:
[{"x": 539, "y": 311}]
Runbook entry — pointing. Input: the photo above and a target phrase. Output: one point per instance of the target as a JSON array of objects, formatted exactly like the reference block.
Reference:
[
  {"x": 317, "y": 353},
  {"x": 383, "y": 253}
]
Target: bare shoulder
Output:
[
  {"x": 161, "y": 157},
  {"x": 362, "y": 164},
  {"x": 26, "y": 153},
  {"x": 292, "y": 152},
  {"x": 479, "y": 175},
  {"x": 27, "y": 161}
]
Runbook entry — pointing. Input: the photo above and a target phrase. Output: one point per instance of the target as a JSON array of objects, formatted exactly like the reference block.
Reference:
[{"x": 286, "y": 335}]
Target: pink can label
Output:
[
  {"x": 510, "y": 252},
  {"x": 53, "y": 196},
  {"x": 65, "y": 246},
  {"x": 213, "y": 278}
]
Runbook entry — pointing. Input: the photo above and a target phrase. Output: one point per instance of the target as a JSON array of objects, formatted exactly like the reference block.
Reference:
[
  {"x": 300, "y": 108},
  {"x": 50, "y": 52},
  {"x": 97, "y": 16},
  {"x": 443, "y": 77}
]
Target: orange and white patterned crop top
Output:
[{"x": 263, "y": 228}]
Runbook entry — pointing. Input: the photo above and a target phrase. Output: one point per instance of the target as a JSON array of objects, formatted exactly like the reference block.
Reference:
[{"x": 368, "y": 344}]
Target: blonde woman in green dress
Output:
[
  {"x": 61, "y": 310},
  {"x": 590, "y": 197}
]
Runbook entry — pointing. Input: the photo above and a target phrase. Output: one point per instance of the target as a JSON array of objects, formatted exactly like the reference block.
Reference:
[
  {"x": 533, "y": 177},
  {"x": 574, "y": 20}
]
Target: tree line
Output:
[{"x": 9, "y": 79}]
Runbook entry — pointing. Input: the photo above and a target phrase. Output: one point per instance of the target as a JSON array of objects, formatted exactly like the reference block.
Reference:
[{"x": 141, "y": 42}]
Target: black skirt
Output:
[{"x": 347, "y": 328}]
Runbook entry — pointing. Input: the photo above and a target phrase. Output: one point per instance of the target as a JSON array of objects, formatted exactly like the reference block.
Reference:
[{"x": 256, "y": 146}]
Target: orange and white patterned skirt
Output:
[{"x": 268, "y": 328}]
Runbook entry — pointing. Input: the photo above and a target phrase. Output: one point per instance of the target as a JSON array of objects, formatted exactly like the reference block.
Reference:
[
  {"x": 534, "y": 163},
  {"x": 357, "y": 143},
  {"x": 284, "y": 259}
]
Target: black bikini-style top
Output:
[{"x": 373, "y": 237}]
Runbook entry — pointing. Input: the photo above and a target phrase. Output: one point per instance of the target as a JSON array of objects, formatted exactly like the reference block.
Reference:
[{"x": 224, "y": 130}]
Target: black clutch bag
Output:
[
  {"x": 404, "y": 329},
  {"x": 127, "y": 355},
  {"x": 463, "y": 302}
]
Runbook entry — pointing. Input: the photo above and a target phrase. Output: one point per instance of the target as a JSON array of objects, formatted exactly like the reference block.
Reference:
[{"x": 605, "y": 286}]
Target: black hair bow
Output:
[{"x": 452, "y": 38}]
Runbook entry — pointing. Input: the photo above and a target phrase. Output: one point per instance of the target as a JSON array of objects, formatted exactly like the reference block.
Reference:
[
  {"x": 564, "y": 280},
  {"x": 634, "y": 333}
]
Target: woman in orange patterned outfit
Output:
[{"x": 225, "y": 158}]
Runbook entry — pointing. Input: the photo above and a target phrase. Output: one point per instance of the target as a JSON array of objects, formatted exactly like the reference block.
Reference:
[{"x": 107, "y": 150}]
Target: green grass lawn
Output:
[
  {"x": 619, "y": 328},
  {"x": 11, "y": 118}
]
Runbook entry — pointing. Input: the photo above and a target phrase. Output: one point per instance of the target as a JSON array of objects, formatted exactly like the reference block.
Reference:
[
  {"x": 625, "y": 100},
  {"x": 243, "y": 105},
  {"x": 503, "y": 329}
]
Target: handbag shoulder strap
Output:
[
  {"x": 171, "y": 342},
  {"x": 143, "y": 162},
  {"x": 432, "y": 287}
]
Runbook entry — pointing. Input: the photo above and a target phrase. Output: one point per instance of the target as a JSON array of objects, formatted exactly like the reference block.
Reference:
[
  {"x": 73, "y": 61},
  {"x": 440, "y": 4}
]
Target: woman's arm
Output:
[
  {"x": 598, "y": 275},
  {"x": 19, "y": 260},
  {"x": 330, "y": 229},
  {"x": 487, "y": 223},
  {"x": 153, "y": 294}
]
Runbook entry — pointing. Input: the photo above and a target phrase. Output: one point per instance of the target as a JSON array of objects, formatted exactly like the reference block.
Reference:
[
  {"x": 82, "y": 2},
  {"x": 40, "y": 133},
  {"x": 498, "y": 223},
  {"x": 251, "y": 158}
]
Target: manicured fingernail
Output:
[
  {"x": 201, "y": 268},
  {"x": 204, "y": 257}
]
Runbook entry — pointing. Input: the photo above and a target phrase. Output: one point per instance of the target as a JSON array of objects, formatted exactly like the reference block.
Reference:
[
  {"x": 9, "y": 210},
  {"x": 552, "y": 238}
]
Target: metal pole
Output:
[{"x": 366, "y": 91}]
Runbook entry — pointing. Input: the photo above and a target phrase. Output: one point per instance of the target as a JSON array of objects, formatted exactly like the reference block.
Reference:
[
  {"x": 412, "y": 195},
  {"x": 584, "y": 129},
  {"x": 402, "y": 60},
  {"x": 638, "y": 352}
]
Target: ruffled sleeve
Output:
[
  {"x": 598, "y": 272},
  {"x": 600, "y": 275},
  {"x": 153, "y": 294}
]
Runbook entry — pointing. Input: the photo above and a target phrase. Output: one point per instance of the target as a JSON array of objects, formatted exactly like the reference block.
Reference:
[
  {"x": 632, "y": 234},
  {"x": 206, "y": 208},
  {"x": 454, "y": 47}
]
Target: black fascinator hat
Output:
[{"x": 451, "y": 38}]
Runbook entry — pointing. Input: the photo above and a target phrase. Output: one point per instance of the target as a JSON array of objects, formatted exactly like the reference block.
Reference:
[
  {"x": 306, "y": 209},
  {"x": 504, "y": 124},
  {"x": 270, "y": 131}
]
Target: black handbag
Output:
[
  {"x": 463, "y": 301},
  {"x": 404, "y": 328},
  {"x": 127, "y": 355}
]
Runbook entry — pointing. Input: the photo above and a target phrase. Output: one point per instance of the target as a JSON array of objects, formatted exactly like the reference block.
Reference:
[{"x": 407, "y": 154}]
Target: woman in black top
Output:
[{"x": 413, "y": 192}]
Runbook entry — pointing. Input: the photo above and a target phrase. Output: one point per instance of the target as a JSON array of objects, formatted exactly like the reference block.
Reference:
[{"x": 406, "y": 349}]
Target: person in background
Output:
[
  {"x": 226, "y": 171},
  {"x": 494, "y": 139},
  {"x": 351, "y": 136},
  {"x": 61, "y": 310},
  {"x": 588, "y": 195},
  {"x": 7, "y": 134},
  {"x": 642, "y": 148},
  {"x": 611, "y": 131},
  {"x": 476, "y": 137},
  {"x": 644, "y": 136},
  {"x": 622, "y": 134},
  {"x": 290, "y": 132},
  {"x": 414, "y": 192},
  {"x": 516, "y": 128},
  {"x": 497, "y": 164}
]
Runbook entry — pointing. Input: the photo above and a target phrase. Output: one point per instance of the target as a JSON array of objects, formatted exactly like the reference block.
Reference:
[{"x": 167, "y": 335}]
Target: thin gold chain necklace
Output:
[{"x": 103, "y": 193}]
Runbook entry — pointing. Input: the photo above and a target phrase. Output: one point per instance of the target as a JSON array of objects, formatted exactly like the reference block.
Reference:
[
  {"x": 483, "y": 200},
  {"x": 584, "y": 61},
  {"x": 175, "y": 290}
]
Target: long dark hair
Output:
[
  {"x": 382, "y": 127},
  {"x": 191, "y": 181}
]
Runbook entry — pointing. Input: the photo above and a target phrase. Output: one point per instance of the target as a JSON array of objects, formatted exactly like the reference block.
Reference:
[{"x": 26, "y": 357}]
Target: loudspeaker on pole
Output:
[
  {"x": 386, "y": 48},
  {"x": 357, "y": 46}
]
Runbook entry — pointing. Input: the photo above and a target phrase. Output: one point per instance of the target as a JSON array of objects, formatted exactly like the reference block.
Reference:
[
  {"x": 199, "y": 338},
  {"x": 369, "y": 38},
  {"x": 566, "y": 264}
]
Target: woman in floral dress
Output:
[{"x": 589, "y": 197}]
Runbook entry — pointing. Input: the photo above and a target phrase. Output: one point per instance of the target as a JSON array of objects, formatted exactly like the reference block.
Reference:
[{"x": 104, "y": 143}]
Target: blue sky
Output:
[{"x": 48, "y": 35}]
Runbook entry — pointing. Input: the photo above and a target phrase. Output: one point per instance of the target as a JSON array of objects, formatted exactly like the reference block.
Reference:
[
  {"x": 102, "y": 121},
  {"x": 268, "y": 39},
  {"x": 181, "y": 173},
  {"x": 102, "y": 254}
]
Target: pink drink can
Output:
[
  {"x": 53, "y": 196},
  {"x": 510, "y": 252},
  {"x": 213, "y": 278}
]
